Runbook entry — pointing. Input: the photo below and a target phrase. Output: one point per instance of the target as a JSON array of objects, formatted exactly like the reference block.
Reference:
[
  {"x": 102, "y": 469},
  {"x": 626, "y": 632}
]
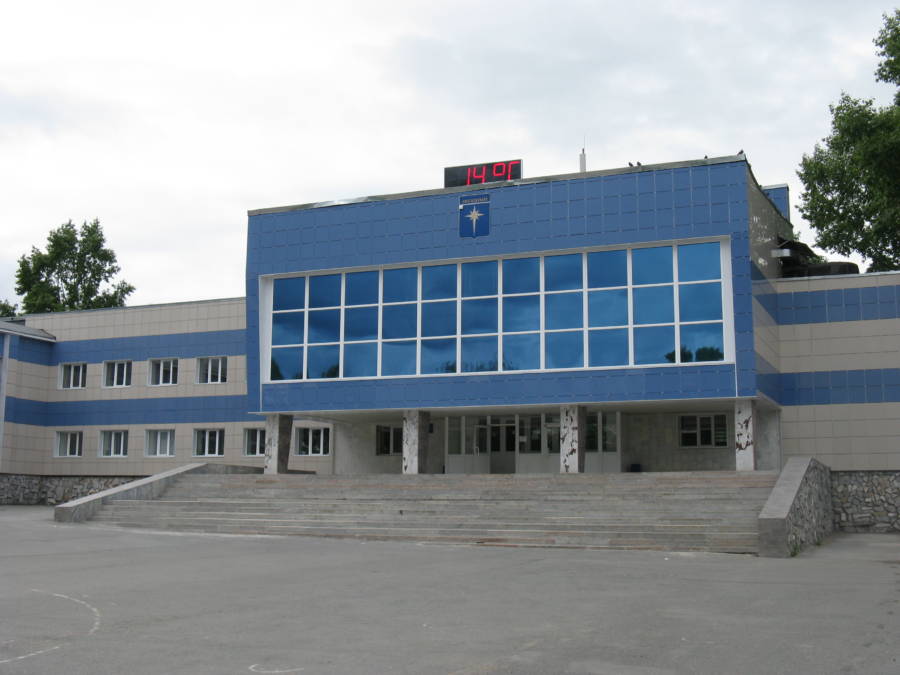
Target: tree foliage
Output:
[
  {"x": 71, "y": 273},
  {"x": 852, "y": 180},
  {"x": 7, "y": 308}
]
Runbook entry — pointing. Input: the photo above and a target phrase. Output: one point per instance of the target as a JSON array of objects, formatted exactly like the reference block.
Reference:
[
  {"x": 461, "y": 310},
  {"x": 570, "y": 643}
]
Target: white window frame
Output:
[
  {"x": 72, "y": 375},
  {"x": 154, "y": 446},
  {"x": 157, "y": 370},
  {"x": 396, "y": 434},
  {"x": 712, "y": 421},
  {"x": 204, "y": 446},
  {"x": 65, "y": 439},
  {"x": 121, "y": 373},
  {"x": 113, "y": 443},
  {"x": 212, "y": 370},
  {"x": 255, "y": 442},
  {"x": 324, "y": 435}
]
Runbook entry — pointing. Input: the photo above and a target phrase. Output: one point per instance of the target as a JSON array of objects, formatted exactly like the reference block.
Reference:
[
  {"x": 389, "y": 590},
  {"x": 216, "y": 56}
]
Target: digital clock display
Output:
[{"x": 476, "y": 174}]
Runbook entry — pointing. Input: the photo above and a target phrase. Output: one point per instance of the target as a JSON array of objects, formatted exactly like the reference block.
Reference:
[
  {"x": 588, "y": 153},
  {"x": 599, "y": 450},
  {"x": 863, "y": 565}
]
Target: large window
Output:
[
  {"x": 163, "y": 372},
  {"x": 73, "y": 375},
  {"x": 117, "y": 374},
  {"x": 312, "y": 441},
  {"x": 212, "y": 369},
  {"x": 68, "y": 443},
  {"x": 595, "y": 309},
  {"x": 160, "y": 443},
  {"x": 703, "y": 431},
  {"x": 209, "y": 442},
  {"x": 114, "y": 443},
  {"x": 254, "y": 442}
]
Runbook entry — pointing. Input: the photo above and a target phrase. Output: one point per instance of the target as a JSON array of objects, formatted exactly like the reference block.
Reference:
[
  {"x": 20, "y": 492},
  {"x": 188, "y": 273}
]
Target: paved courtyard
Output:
[{"x": 86, "y": 599}]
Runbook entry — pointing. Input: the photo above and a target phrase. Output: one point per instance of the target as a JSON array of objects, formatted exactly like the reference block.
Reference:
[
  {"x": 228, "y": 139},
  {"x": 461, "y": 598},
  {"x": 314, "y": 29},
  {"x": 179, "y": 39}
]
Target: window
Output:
[
  {"x": 212, "y": 370},
  {"x": 209, "y": 442},
  {"x": 703, "y": 431},
  {"x": 113, "y": 443},
  {"x": 315, "y": 441},
  {"x": 624, "y": 307},
  {"x": 163, "y": 371},
  {"x": 73, "y": 376},
  {"x": 160, "y": 443},
  {"x": 389, "y": 440},
  {"x": 68, "y": 443},
  {"x": 117, "y": 374},
  {"x": 254, "y": 442}
]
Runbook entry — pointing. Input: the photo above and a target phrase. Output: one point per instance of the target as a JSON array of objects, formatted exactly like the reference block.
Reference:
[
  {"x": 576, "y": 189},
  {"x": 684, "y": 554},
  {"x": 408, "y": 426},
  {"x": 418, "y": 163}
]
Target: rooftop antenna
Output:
[{"x": 582, "y": 158}]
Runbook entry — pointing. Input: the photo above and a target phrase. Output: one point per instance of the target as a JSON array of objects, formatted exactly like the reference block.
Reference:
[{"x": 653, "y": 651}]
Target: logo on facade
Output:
[{"x": 474, "y": 216}]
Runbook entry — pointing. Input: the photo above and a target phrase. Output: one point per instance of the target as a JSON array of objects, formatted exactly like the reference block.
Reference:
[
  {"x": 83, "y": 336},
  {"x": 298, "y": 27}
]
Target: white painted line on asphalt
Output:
[{"x": 255, "y": 669}]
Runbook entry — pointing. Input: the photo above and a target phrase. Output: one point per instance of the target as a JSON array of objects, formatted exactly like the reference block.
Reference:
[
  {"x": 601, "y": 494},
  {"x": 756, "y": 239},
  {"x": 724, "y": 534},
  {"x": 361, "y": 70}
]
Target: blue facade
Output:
[{"x": 709, "y": 199}]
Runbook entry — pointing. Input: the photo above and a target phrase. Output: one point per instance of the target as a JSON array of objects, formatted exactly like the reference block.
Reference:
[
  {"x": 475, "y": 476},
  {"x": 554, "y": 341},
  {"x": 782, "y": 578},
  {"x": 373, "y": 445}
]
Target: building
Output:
[{"x": 635, "y": 319}]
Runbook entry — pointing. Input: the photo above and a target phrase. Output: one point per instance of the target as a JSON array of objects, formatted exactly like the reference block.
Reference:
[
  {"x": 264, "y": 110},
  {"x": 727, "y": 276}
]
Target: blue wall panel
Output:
[
  {"x": 629, "y": 208},
  {"x": 175, "y": 410},
  {"x": 780, "y": 197},
  {"x": 842, "y": 304},
  {"x": 32, "y": 351}
]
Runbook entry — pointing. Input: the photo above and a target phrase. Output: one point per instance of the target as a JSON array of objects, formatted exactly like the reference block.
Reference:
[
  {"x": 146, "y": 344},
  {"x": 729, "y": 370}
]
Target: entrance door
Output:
[
  {"x": 466, "y": 446},
  {"x": 610, "y": 442},
  {"x": 503, "y": 443}
]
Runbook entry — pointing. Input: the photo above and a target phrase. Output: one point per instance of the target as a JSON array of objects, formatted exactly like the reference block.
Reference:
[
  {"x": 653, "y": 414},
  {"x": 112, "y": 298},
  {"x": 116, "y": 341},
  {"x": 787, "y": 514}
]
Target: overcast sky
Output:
[{"x": 169, "y": 120}]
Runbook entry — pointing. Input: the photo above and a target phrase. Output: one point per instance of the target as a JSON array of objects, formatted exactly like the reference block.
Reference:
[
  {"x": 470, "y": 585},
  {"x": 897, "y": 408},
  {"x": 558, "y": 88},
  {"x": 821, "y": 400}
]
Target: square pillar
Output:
[
  {"x": 278, "y": 443},
  {"x": 744, "y": 435},
  {"x": 415, "y": 440},
  {"x": 572, "y": 438}
]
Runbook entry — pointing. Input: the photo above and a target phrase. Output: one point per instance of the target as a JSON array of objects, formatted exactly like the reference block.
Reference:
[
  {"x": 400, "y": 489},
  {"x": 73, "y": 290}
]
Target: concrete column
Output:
[
  {"x": 572, "y": 438},
  {"x": 744, "y": 436},
  {"x": 415, "y": 440},
  {"x": 278, "y": 443}
]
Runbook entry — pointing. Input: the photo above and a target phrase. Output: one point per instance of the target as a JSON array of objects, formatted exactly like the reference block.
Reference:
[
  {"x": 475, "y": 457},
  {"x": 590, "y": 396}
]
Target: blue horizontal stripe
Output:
[
  {"x": 178, "y": 345},
  {"x": 833, "y": 387},
  {"x": 32, "y": 351},
  {"x": 839, "y": 304},
  {"x": 634, "y": 384},
  {"x": 200, "y": 409}
]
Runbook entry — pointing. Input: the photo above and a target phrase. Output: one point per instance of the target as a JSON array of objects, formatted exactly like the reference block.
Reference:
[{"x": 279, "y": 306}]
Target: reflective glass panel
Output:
[
  {"x": 522, "y": 352},
  {"x": 325, "y": 291},
  {"x": 287, "y": 363},
  {"x": 702, "y": 342},
  {"x": 479, "y": 354},
  {"x": 607, "y": 268},
  {"x": 325, "y": 325},
  {"x": 400, "y": 285},
  {"x": 521, "y": 275},
  {"x": 289, "y": 293},
  {"x": 564, "y": 310},
  {"x": 361, "y": 360},
  {"x": 323, "y": 362},
  {"x": 522, "y": 312},
  {"x": 479, "y": 316},
  {"x": 653, "y": 305},
  {"x": 697, "y": 262},
  {"x": 398, "y": 321},
  {"x": 562, "y": 272},
  {"x": 361, "y": 323},
  {"x": 608, "y": 308},
  {"x": 438, "y": 318},
  {"x": 655, "y": 344},
  {"x": 700, "y": 302},
  {"x": 479, "y": 278},
  {"x": 651, "y": 265},
  {"x": 564, "y": 350},
  {"x": 287, "y": 329},
  {"x": 439, "y": 356},
  {"x": 608, "y": 347},
  {"x": 361, "y": 288},
  {"x": 439, "y": 282},
  {"x": 398, "y": 358}
]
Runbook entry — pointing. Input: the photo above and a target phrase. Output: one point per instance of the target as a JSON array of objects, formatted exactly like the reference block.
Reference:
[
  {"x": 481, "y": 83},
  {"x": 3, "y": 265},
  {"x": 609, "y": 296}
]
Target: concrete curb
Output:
[{"x": 84, "y": 508}]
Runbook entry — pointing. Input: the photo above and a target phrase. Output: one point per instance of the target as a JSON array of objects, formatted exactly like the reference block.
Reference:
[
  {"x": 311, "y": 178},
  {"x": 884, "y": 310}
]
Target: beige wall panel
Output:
[
  {"x": 652, "y": 441},
  {"x": 800, "y": 285}
]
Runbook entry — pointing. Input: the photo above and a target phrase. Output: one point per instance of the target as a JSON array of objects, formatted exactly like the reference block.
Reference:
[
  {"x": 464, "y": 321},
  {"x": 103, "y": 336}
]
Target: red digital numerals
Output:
[{"x": 486, "y": 173}]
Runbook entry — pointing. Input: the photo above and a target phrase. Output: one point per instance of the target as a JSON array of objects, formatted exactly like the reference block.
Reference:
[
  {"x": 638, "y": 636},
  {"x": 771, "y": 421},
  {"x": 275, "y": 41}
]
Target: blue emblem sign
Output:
[{"x": 474, "y": 216}]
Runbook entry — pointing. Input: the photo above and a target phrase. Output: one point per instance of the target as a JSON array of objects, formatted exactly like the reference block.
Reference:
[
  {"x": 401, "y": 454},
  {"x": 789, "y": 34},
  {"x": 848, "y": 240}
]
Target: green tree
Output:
[
  {"x": 7, "y": 309},
  {"x": 70, "y": 273},
  {"x": 851, "y": 181}
]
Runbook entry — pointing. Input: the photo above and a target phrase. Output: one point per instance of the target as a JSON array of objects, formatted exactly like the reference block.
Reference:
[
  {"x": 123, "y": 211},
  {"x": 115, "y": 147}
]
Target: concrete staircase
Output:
[{"x": 708, "y": 511}]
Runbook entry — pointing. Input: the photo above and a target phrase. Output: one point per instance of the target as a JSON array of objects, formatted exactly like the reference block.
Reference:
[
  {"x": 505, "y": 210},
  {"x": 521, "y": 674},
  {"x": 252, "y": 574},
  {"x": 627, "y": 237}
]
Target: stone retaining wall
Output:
[
  {"x": 799, "y": 510},
  {"x": 866, "y": 501},
  {"x": 24, "y": 489}
]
